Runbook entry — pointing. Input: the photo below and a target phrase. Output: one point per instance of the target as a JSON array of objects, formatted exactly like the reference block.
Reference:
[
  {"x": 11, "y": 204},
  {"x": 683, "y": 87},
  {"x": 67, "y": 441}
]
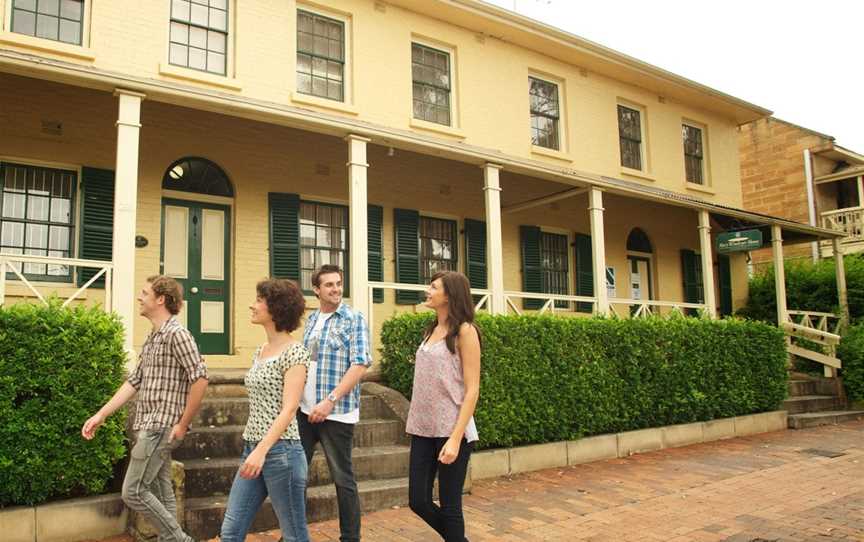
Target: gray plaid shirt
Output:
[{"x": 168, "y": 366}]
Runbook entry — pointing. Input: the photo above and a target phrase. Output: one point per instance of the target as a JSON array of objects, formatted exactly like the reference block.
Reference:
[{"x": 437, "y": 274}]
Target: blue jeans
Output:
[{"x": 283, "y": 478}]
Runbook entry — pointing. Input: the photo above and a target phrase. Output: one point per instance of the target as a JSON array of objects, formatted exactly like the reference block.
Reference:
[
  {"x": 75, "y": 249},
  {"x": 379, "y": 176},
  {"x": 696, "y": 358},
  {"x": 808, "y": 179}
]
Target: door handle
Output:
[{"x": 194, "y": 290}]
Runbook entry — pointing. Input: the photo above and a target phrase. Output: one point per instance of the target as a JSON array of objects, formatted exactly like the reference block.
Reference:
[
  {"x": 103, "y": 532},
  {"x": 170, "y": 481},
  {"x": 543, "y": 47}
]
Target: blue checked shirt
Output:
[{"x": 344, "y": 342}]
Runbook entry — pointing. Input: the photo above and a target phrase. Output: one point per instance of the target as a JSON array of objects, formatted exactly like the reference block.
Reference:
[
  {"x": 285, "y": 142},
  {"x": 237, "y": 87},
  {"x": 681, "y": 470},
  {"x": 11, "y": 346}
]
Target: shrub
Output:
[
  {"x": 809, "y": 286},
  {"x": 547, "y": 378},
  {"x": 57, "y": 367},
  {"x": 851, "y": 351}
]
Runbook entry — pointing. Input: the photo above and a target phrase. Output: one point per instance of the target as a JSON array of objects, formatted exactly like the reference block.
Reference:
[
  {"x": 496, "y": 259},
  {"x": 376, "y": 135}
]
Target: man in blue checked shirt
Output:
[{"x": 338, "y": 342}]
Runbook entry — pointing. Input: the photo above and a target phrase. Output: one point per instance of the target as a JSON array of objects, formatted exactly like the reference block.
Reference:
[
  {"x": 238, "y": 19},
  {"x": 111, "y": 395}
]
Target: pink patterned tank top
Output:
[{"x": 439, "y": 390}]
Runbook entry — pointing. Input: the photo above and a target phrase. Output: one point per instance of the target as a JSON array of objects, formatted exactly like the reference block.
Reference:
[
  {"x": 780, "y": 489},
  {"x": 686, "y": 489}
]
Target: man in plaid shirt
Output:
[
  {"x": 170, "y": 381},
  {"x": 337, "y": 338}
]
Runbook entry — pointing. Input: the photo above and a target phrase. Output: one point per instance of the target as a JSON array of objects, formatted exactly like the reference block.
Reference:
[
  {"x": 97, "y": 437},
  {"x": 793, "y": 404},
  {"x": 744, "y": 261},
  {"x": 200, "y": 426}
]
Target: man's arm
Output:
[
  {"x": 193, "y": 403},
  {"x": 121, "y": 396}
]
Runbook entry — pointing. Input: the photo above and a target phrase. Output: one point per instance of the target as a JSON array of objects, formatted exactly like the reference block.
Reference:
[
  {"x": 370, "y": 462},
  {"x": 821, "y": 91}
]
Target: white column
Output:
[
  {"x": 707, "y": 263},
  {"x": 494, "y": 244},
  {"x": 842, "y": 296},
  {"x": 359, "y": 228},
  {"x": 598, "y": 251},
  {"x": 125, "y": 209},
  {"x": 779, "y": 274}
]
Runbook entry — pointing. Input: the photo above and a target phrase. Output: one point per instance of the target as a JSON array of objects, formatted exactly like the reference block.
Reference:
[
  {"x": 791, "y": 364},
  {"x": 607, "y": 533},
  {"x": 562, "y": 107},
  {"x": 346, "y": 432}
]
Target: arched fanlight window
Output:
[
  {"x": 637, "y": 241},
  {"x": 197, "y": 175}
]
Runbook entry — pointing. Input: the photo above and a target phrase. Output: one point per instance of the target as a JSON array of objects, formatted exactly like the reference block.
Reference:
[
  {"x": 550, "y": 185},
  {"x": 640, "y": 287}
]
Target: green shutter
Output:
[
  {"x": 691, "y": 271},
  {"x": 532, "y": 270},
  {"x": 284, "y": 236},
  {"x": 724, "y": 271},
  {"x": 475, "y": 254},
  {"x": 407, "y": 224},
  {"x": 375, "y": 224},
  {"x": 584, "y": 270},
  {"x": 97, "y": 220}
]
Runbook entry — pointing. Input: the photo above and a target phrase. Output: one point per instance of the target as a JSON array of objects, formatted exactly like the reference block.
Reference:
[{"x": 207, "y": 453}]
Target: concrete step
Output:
[
  {"x": 828, "y": 417},
  {"x": 227, "y": 441},
  {"x": 797, "y": 388},
  {"x": 214, "y": 476},
  {"x": 810, "y": 403},
  {"x": 204, "y": 515},
  {"x": 234, "y": 410}
]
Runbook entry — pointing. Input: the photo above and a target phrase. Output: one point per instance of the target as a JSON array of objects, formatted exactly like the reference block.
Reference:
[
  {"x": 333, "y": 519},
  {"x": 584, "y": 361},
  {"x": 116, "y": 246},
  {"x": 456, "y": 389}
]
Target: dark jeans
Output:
[
  {"x": 337, "y": 439},
  {"x": 446, "y": 519}
]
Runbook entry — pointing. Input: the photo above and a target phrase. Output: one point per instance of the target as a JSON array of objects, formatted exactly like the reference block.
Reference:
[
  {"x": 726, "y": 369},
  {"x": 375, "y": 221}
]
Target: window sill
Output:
[
  {"x": 188, "y": 74},
  {"x": 324, "y": 103},
  {"x": 637, "y": 173},
  {"x": 700, "y": 188},
  {"x": 437, "y": 128},
  {"x": 550, "y": 153},
  {"x": 49, "y": 46}
]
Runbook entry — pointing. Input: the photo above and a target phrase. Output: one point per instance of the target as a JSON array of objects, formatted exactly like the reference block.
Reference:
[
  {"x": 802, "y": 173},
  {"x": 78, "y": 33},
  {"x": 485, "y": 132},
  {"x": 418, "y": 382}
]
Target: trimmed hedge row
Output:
[
  {"x": 851, "y": 352},
  {"x": 547, "y": 378},
  {"x": 57, "y": 367}
]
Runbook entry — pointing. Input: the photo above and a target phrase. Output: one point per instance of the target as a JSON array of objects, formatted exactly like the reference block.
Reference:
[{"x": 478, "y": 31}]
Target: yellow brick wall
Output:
[
  {"x": 261, "y": 158},
  {"x": 490, "y": 90}
]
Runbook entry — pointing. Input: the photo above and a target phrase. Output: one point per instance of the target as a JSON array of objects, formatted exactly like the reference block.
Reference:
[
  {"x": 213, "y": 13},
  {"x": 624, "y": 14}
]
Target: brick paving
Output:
[{"x": 793, "y": 486}]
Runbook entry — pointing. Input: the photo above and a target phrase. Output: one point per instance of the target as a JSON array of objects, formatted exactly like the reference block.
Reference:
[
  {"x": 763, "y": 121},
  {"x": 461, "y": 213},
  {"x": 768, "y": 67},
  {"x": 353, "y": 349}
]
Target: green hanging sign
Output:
[{"x": 739, "y": 241}]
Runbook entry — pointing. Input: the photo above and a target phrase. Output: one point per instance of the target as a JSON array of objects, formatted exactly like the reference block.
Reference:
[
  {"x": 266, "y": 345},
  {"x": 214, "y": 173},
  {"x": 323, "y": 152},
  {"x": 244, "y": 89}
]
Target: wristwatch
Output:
[{"x": 332, "y": 396}]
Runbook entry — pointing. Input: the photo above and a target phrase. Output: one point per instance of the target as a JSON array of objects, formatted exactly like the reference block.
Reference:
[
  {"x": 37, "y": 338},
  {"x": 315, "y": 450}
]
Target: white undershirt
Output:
[{"x": 308, "y": 402}]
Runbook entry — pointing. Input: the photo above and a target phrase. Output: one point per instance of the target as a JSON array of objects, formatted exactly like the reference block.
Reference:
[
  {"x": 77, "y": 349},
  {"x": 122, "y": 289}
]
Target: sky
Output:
[{"x": 800, "y": 59}]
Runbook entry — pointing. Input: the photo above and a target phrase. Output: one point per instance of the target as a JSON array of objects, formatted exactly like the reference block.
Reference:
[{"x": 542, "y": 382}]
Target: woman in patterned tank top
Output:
[
  {"x": 273, "y": 461},
  {"x": 441, "y": 417}
]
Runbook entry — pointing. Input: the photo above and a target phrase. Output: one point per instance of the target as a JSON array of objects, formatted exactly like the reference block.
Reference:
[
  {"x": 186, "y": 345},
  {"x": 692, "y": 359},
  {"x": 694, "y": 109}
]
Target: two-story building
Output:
[
  {"x": 803, "y": 175},
  {"x": 221, "y": 142}
]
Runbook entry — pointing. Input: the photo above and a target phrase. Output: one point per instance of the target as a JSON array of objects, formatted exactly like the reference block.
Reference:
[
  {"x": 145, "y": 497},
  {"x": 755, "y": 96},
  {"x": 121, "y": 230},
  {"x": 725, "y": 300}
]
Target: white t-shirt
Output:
[{"x": 308, "y": 402}]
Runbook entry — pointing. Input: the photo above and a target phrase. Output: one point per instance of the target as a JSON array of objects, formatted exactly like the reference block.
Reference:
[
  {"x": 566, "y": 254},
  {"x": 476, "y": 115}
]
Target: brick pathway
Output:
[{"x": 781, "y": 486}]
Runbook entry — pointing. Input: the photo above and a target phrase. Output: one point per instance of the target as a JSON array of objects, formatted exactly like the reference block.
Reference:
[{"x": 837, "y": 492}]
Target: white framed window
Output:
[
  {"x": 631, "y": 136},
  {"x": 694, "y": 139},
  {"x": 323, "y": 67},
  {"x": 198, "y": 36}
]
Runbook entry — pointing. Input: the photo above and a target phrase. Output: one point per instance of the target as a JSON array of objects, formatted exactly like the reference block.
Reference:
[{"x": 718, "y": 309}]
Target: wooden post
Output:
[
  {"x": 707, "y": 264},
  {"x": 358, "y": 219},
  {"x": 494, "y": 243},
  {"x": 598, "y": 251}
]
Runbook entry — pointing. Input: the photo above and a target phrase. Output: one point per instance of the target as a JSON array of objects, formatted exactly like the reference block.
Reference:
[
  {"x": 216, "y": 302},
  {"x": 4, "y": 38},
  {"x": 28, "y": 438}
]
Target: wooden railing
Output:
[
  {"x": 822, "y": 328},
  {"x": 548, "y": 301},
  {"x": 651, "y": 307},
  {"x": 8, "y": 266},
  {"x": 850, "y": 221}
]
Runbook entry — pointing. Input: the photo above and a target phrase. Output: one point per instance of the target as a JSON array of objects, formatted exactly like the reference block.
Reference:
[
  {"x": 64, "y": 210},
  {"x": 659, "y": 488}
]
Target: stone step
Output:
[
  {"x": 797, "y": 388},
  {"x": 218, "y": 411},
  {"x": 204, "y": 515},
  {"x": 828, "y": 417},
  {"x": 214, "y": 476},
  {"x": 809, "y": 403},
  {"x": 227, "y": 441}
]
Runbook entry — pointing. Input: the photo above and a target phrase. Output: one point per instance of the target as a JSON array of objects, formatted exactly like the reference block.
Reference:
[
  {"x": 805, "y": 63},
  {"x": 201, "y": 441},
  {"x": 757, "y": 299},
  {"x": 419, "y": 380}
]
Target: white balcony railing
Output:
[
  {"x": 850, "y": 221},
  {"x": 13, "y": 263},
  {"x": 653, "y": 307}
]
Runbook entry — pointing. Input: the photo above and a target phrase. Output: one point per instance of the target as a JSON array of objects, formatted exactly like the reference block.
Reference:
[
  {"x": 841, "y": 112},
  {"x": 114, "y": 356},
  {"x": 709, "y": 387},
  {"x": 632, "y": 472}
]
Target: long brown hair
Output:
[{"x": 460, "y": 307}]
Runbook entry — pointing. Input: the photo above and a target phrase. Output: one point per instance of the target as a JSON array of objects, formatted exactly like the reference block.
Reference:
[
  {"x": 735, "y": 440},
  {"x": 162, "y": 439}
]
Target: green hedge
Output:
[
  {"x": 57, "y": 367},
  {"x": 851, "y": 352},
  {"x": 809, "y": 286},
  {"x": 547, "y": 378}
]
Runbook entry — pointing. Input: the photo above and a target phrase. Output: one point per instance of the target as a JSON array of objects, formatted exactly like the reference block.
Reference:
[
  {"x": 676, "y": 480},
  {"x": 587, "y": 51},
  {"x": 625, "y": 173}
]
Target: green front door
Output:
[{"x": 195, "y": 251}]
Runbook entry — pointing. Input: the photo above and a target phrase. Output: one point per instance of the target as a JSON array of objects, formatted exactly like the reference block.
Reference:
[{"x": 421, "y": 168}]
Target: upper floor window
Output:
[
  {"x": 694, "y": 163},
  {"x": 437, "y": 247},
  {"x": 36, "y": 217},
  {"x": 199, "y": 35},
  {"x": 630, "y": 136},
  {"x": 323, "y": 239},
  {"x": 545, "y": 113},
  {"x": 58, "y": 20},
  {"x": 430, "y": 74},
  {"x": 320, "y": 56}
]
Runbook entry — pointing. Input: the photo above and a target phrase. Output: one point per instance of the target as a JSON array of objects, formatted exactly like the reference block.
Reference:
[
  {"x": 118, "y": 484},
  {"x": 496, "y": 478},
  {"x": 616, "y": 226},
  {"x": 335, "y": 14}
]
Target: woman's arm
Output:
[
  {"x": 469, "y": 352},
  {"x": 292, "y": 389}
]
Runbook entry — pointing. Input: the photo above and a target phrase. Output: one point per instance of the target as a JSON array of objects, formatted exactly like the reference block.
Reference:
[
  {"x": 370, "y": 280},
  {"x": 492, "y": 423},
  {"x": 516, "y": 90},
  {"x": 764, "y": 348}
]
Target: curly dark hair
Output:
[
  {"x": 285, "y": 302},
  {"x": 170, "y": 289}
]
